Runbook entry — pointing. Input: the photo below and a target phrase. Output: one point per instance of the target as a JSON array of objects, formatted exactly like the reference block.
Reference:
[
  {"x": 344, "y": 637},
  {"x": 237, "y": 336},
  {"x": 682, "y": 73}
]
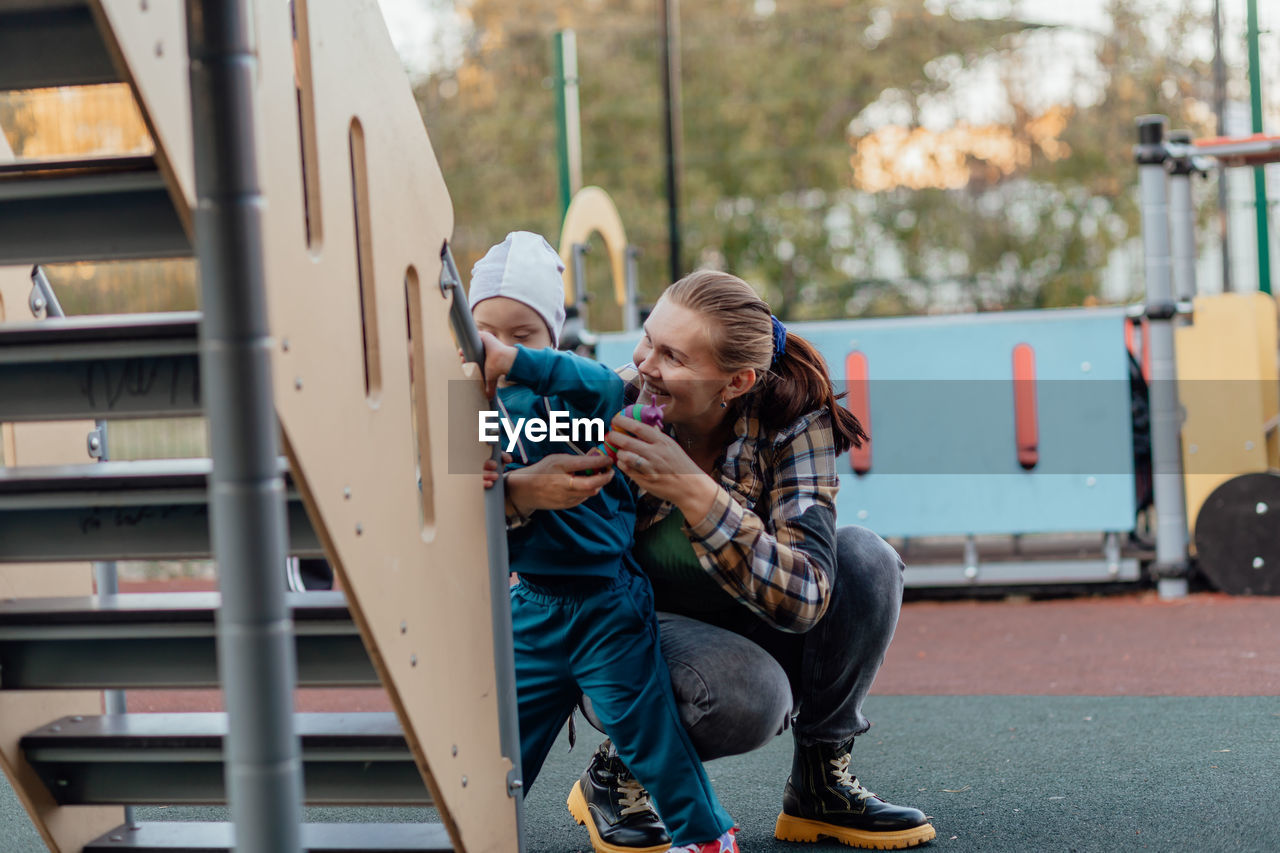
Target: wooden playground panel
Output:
[{"x": 354, "y": 227}]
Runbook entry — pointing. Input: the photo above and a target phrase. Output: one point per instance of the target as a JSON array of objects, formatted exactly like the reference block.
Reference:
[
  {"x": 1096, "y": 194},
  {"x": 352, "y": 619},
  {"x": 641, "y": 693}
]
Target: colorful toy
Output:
[{"x": 644, "y": 413}]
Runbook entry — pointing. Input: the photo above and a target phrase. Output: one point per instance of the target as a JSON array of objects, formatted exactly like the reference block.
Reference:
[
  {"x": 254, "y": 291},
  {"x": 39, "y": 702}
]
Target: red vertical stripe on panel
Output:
[
  {"x": 1026, "y": 426},
  {"x": 858, "y": 402}
]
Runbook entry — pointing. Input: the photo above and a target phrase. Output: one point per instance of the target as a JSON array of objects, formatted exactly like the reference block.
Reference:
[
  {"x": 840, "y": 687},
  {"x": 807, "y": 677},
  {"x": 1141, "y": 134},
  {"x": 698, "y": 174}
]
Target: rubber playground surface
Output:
[{"x": 1096, "y": 723}]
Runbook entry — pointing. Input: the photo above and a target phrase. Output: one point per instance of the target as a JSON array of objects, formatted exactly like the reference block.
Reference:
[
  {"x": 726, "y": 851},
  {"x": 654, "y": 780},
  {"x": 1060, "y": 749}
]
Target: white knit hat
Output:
[{"x": 525, "y": 268}]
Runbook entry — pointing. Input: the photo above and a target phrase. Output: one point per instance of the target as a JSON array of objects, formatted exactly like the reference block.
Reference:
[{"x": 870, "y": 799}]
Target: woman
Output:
[{"x": 768, "y": 617}]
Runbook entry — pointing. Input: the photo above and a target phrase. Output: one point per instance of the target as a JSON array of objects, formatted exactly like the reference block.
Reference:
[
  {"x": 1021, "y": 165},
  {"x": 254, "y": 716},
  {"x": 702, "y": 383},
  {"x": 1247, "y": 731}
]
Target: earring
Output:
[{"x": 723, "y": 404}]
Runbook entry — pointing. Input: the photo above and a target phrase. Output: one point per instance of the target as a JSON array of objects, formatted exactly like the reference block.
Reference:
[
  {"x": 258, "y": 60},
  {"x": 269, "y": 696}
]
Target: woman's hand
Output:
[
  {"x": 660, "y": 466},
  {"x": 555, "y": 482},
  {"x": 498, "y": 358}
]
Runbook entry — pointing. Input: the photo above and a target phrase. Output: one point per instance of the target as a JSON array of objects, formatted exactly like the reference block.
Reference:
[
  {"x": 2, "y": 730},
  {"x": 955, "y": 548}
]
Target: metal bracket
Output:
[
  {"x": 1183, "y": 157},
  {"x": 449, "y": 275},
  {"x": 97, "y": 441},
  {"x": 464, "y": 325},
  {"x": 1161, "y": 310},
  {"x": 43, "y": 302}
]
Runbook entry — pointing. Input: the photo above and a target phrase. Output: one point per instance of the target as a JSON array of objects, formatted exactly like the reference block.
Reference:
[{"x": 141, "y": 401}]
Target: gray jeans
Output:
[{"x": 738, "y": 689}]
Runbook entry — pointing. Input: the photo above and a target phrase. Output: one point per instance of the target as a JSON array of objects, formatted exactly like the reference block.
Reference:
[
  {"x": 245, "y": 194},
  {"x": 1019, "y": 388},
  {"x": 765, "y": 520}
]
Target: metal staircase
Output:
[{"x": 424, "y": 577}]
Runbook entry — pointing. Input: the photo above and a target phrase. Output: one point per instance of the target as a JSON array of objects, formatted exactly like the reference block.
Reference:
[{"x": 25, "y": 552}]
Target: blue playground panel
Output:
[{"x": 941, "y": 396}]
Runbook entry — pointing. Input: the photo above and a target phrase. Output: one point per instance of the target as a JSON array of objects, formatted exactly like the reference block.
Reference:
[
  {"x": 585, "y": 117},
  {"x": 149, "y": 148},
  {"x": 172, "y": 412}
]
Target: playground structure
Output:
[
  {"x": 1028, "y": 437},
  {"x": 306, "y": 106},
  {"x": 1014, "y": 449},
  {"x": 591, "y": 211}
]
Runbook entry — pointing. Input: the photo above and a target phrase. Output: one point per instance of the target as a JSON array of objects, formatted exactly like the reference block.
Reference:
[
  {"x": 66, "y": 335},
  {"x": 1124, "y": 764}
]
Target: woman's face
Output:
[{"x": 675, "y": 360}]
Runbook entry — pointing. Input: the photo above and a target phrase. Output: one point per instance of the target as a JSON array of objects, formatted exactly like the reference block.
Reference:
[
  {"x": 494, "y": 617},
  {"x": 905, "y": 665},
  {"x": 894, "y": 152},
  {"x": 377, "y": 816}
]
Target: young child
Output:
[{"x": 582, "y": 614}]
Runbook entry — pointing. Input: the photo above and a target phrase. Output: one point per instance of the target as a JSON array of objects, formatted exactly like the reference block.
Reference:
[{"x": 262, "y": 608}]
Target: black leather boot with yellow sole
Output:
[
  {"x": 615, "y": 809},
  {"x": 822, "y": 799}
]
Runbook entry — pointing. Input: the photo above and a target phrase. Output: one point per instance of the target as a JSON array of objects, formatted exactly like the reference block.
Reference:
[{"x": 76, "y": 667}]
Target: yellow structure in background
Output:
[
  {"x": 592, "y": 211},
  {"x": 1229, "y": 387}
]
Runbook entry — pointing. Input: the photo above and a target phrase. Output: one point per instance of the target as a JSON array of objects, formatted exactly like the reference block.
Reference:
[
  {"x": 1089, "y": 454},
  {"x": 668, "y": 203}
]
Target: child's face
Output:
[{"x": 512, "y": 322}]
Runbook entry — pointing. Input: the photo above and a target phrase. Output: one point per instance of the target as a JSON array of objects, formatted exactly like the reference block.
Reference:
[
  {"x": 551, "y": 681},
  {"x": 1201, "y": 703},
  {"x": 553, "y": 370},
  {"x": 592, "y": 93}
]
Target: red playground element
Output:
[
  {"x": 1026, "y": 425},
  {"x": 1256, "y": 150},
  {"x": 858, "y": 401}
]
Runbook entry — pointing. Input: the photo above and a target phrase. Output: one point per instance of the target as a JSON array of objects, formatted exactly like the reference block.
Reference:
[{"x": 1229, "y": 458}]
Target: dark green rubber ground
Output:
[{"x": 1021, "y": 774}]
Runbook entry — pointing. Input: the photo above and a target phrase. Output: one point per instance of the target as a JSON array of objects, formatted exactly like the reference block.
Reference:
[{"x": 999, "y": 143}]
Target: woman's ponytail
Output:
[{"x": 798, "y": 382}]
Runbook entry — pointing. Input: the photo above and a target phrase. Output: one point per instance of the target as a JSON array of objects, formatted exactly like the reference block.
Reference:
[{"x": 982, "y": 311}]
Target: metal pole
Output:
[
  {"x": 669, "y": 22},
  {"x": 1182, "y": 218},
  {"x": 1166, "y": 447},
  {"x": 631, "y": 308},
  {"x": 246, "y": 490},
  {"x": 106, "y": 580},
  {"x": 495, "y": 518},
  {"x": 1259, "y": 172},
  {"x": 1220, "y": 110},
  {"x": 568, "y": 120},
  {"x": 580, "y": 295}
]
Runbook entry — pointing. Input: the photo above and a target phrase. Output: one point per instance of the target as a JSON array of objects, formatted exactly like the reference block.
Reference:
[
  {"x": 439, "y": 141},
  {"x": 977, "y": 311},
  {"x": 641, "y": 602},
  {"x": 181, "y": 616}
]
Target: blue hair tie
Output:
[{"x": 779, "y": 339}]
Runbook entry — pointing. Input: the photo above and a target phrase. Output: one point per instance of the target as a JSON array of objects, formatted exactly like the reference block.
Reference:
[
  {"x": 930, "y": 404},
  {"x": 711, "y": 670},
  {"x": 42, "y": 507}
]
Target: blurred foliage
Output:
[
  {"x": 777, "y": 98},
  {"x": 73, "y": 121},
  {"x": 125, "y": 287}
]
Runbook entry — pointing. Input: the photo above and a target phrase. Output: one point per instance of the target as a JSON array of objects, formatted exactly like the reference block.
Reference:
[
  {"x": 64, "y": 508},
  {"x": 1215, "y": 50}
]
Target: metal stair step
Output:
[
  {"x": 51, "y": 43},
  {"x": 146, "y": 510},
  {"x": 87, "y": 209},
  {"x": 108, "y": 366},
  {"x": 177, "y": 759},
  {"x": 213, "y": 837},
  {"x": 161, "y": 640}
]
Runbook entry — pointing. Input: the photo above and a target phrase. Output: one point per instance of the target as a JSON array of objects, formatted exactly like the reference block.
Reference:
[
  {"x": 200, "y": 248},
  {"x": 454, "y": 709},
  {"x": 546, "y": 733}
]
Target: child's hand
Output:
[
  {"x": 490, "y": 474},
  {"x": 498, "y": 358}
]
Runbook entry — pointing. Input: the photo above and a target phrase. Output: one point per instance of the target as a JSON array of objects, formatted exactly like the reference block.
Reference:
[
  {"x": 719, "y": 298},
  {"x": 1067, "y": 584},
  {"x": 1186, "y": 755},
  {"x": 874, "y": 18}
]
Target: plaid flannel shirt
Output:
[{"x": 770, "y": 537}]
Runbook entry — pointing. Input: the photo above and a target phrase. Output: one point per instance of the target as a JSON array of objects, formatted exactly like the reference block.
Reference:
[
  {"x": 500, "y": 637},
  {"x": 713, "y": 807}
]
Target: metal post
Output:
[
  {"x": 580, "y": 294},
  {"x": 568, "y": 120},
  {"x": 631, "y": 307},
  {"x": 1259, "y": 172},
  {"x": 495, "y": 518},
  {"x": 669, "y": 24},
  {"x": 246, "y": 491},
  {"x": 1220, "y": 110},
  {"x": 1111, "y": 554},
  {"x": 106, "y": 580},
  {"x": 1166, "y": 446},
  {"x": 971, "y": 558},
  {"x": 1182, "y": 217}
]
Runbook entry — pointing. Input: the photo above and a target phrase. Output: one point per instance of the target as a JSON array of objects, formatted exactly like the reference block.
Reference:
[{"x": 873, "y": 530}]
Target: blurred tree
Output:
[{"x": 799, "y": 119}]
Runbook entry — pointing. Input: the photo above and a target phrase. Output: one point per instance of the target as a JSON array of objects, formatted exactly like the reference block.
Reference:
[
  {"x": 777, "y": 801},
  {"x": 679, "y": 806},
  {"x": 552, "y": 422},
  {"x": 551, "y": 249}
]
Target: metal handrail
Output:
[{"x": 468, "y": 336}]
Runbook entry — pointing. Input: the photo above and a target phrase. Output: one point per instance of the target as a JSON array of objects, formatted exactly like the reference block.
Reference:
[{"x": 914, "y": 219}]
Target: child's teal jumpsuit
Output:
[{"x": 583, "y": 613}]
